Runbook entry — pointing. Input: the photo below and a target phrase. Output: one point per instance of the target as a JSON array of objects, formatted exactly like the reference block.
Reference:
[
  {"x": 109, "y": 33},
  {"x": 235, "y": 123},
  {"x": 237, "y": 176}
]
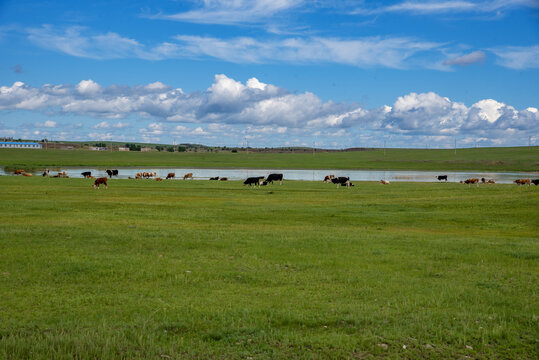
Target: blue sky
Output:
[{"x": 272, "y": 73}]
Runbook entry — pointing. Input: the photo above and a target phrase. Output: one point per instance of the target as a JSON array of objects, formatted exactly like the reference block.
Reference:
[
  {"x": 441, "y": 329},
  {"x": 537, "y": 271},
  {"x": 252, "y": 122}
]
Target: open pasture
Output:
[
  {"x": 486, "y": 159},
  {"x": 200, "y": 269}
]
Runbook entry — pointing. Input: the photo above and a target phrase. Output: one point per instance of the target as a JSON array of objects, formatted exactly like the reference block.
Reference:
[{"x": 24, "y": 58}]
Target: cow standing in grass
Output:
[
  {"x": 523, "y": 182},
  {"x": 171, "y": 176},
  {"x": 256, "y": 180},
  {"x": 86, "y": 174},
  {"x": 100, "y": 181},
  {"x": 442, "y": 177},
  {"x": 275, "y": 177},
  {"x": 188, "y": 176}
]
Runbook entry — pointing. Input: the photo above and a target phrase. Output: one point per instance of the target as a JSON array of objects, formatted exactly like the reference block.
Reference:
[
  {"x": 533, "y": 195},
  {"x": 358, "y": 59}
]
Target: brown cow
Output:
[
  {"x": 158, "y": 179},
  {"x": 223, "y": 179},
  {"x": 385, "y": 182},
  {"x": 100, "y": 181},
  {"x": 328, "y": 178},
  {"x": 523, "y": 182},
  {"x": 18, "y": 172},
  {"x": 27, "y": 174},
  {"x": 188, "y": 175},
  {"x": 471, "y": 181},
  {"x": 171, "y": 176}
]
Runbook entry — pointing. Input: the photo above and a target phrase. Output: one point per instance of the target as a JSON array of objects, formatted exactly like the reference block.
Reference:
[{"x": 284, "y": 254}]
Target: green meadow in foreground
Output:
[
  {"x": 200, "y": 269},
  {"x": 493, "y": 159}
]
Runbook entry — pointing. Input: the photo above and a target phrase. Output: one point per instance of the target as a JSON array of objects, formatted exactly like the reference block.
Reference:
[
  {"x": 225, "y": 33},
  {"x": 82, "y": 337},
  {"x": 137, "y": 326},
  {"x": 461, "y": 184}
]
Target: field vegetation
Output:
[
  {"x": 487, "y": 159},
  {"x": 200, "y": 269}
]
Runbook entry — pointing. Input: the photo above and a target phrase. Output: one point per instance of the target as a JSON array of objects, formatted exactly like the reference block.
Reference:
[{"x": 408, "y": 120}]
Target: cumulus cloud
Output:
[
  {"x": 467, "y": 59},
  {"x": 254, "y": 109}
]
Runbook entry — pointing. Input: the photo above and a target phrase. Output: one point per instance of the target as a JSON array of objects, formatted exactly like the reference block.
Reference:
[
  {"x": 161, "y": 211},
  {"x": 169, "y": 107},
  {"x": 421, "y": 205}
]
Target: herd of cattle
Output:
[{"x": 254, "y": 180}]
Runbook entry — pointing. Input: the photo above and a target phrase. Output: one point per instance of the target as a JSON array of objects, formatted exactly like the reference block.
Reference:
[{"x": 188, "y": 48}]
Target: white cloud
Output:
[
  {"x": 444, "y": 7},
  {"x": 232, "y": 109},
  {"x": 364, "y": 52},
  {"x": 46, "y": 124},
  {"x": 518, "y": 57},
  {"x": 88, "y": 87},
  {"x": 228, "y": 12}
]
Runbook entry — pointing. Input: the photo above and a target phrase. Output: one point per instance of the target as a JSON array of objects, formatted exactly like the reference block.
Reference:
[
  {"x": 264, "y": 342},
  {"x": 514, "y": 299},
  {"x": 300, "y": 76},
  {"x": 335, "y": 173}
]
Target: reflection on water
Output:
[{"x": 308, "y": 175}]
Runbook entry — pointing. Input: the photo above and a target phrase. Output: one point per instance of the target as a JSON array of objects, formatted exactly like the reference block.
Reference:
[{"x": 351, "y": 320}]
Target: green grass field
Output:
[
  {"x": 488, "y": 159},
  {"x": 199, "y": 270}
]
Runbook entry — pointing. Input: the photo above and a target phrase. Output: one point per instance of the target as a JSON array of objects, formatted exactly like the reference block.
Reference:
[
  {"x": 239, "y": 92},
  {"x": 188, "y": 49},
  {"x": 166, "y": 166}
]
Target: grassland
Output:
[
  {"x": 487, "y": 159},
  {"x": 199, "y": 269}
]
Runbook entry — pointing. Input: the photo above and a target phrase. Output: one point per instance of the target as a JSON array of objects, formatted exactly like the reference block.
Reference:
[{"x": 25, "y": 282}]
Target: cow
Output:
[
  {"x": 27, "y": 174},
  {"x": 18, "y": 172},
  {"x": 385, "y": 182},
  {"x": 188, "y": 176},
  {"x": 86, "y": 174},
  {"x": 100, "y": 181},
  {"x": 485, "y": 181},
  {"x": 214, "y": 178},
  {"x": 535, "y": 182},
  {"x": 256, "y": 180},
  {"x": 171, "y": 176},
  {"x": 275, "y": 177},
  {"x": 223, "y": 179},
  {"x": 491, "y": 182},
  {"x": 341, "y": 180},
  {"x": 112, "y": 173},
  {"x": 158, "y": 179},
  {"x": 442, "y": 177},
  {"x": 471, "y": 181},
  {"x": 518, "y": 182},
  {"x": 328, "y": 178},
  {"x": 62, "y": 174},
  {"x": 46, "y": 172}
]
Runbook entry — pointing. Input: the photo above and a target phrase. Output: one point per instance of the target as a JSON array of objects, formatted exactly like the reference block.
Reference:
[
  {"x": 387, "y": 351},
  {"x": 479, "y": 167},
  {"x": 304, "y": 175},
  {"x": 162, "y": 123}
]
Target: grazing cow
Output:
[
  {"x": 18, "y": 172},
  {"x": 256, "y": 180},
  {"x": 518, "y": 182},
  {"x": 442, "y": 177},
  {"x": 27, "y": 174},
  {"x": 535, "y": 182},
  {"x": 223, "y": 179},
  {"x": 158, "y": 179},
  {"x": 112, "y": 173},
  {"x": 385, "y": 182},
  {"x": 471, "y": 181},
  {"x": 171, "y": 176},
  {"x": 46, "y": 172},
  {"x": 86, "y": 174},
  {"x": 62, "y": 174},
  {"x": 214, "y": 178},
  {"x": 328, "y": 178},
  {"x": 341, "y": 180},
  {"x": 188, "y": 176},
  {"x": 275, "y": 177},
  {"x": 100, "y": 181}
]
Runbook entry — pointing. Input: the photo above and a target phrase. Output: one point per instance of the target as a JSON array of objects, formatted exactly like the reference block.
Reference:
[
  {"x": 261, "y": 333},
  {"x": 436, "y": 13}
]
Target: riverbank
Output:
[{"x": 525, "y": 159}]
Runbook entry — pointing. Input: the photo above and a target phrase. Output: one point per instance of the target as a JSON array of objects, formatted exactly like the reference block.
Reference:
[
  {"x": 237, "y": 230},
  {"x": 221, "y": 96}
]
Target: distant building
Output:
[
  {"x": 123, "y": 149},
  {"x": 20, "y": 145},
  {"x": 146, "y": 149},
  {"x": 97, "y": 148}
]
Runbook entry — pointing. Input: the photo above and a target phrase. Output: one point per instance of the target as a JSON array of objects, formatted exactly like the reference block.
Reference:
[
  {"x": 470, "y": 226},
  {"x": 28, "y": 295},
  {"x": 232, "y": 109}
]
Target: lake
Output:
[{"x": 306, "y": 175}]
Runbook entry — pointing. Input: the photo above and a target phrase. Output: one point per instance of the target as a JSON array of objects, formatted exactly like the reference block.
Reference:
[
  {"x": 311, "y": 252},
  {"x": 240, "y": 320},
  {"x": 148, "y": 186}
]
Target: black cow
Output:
[
  {"x": 535, "y": 182},
  {"x": 341, "y": 180},
  {"x": 441, "y": 177},
  {"x": 86, "y": 174},
  {"x": 214, "y": 178},
  {"x": 275, "y": 177},
  {"x": 256, "y": 180},
  {"x": 112, "y": 173}
]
